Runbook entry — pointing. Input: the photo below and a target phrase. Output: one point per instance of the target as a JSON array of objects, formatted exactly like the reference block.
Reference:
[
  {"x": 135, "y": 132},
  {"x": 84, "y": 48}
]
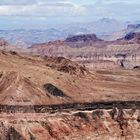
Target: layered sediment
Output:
[{"x": 106, "y": 122}]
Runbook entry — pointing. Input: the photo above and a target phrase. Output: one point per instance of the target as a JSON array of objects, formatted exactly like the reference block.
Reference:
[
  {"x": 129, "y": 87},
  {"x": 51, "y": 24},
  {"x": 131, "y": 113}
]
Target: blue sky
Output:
[{"x": 22, "y": 13}]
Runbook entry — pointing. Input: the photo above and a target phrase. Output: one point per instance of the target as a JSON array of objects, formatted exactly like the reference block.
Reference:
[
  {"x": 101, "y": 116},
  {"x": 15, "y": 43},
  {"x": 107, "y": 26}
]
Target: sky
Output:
[{"x": 47, "y": 13}]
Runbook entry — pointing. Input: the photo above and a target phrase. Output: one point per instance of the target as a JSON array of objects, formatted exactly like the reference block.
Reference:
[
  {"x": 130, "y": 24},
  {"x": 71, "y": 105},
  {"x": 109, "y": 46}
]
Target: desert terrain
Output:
[
  {"x": 79, "y": 88},
  {"x": 44, "y": 98},
  {"x": 69, "y": 70}
]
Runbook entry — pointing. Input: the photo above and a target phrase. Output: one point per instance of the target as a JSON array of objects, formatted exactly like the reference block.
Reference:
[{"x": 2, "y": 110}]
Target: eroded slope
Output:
[{"x": 23, "y": 76}]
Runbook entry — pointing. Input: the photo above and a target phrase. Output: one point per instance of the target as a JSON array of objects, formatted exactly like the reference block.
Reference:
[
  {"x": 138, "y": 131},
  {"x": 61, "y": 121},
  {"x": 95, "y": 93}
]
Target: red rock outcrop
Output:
[
  {"x": 65, "y": 65},
  {"x": 117, "y": 124}
]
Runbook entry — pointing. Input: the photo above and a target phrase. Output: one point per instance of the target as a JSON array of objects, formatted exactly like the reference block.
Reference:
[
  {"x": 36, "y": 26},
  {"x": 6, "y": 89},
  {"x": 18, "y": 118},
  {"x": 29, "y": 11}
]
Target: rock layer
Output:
[{"x": 117, "y": 124}]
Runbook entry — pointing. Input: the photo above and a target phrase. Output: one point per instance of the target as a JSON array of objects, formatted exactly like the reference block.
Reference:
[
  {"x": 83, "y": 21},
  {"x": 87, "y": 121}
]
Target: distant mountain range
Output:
[
  {"x": 101, "y": 28},
  {"x": 30, "y": 36},
  {"x": 131, "y": 28}
]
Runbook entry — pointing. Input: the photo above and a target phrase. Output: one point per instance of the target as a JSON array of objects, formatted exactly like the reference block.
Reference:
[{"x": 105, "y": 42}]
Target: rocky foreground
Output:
[{"x": 117, "y": 121}]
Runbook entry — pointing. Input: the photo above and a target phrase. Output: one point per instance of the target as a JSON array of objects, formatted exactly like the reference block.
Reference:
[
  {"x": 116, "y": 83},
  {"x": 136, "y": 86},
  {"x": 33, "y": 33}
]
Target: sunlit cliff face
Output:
[{"x": 101, "y": 123}]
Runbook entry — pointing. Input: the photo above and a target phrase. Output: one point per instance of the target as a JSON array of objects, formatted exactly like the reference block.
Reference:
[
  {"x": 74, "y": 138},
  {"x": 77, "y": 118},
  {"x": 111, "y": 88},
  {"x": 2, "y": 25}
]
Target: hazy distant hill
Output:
[
  {"x": 33, "y": 36},
  {"x": 131, "y": 28},
  {"x": 30, "y": 36}
]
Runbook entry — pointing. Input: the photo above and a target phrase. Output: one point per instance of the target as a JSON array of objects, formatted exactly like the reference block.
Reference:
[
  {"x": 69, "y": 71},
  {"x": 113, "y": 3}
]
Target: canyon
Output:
[
  {"x": 79, "y": 88},
  {"x": 69, "y": 70},
  {"x": 94, "y": 53},
  {"x": 54, "y": 98}
]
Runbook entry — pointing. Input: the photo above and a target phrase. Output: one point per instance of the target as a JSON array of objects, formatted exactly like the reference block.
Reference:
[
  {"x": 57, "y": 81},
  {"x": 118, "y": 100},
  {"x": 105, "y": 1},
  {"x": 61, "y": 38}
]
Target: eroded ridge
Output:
[{"x": 116, "y": 120}]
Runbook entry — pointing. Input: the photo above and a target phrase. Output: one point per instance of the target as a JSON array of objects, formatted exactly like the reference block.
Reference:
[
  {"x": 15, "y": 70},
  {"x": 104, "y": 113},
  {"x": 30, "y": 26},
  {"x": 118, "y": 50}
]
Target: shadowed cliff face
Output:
[
  {"x": 132, "y": 37},
  {"x": 12, "y": 134},
  {"x": 79, "y": 41},
  {"x": 86, "y": 37}
]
